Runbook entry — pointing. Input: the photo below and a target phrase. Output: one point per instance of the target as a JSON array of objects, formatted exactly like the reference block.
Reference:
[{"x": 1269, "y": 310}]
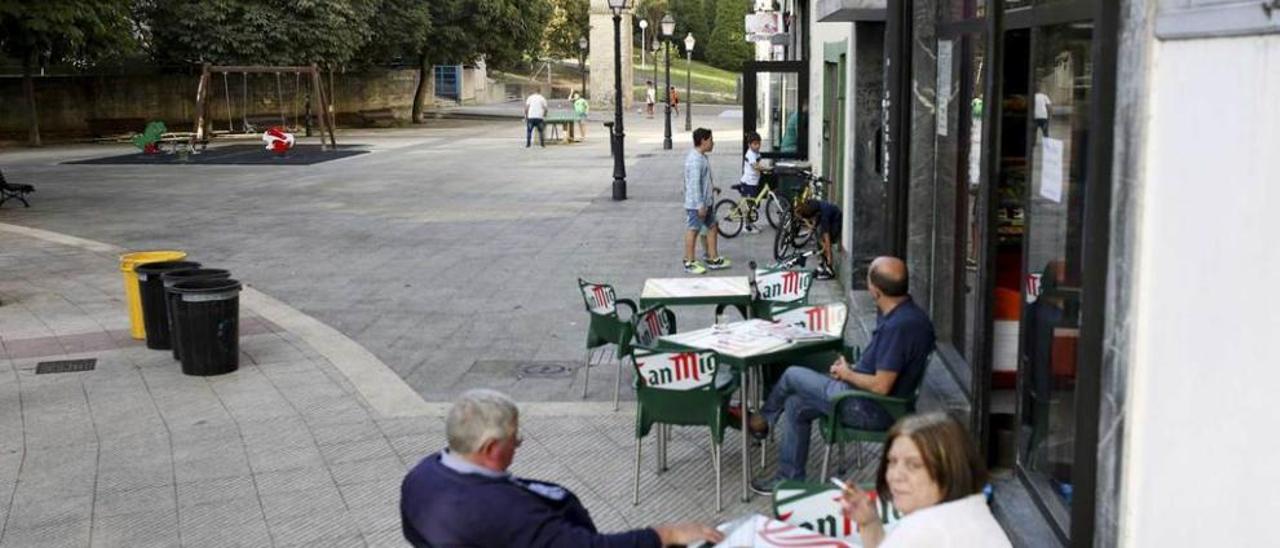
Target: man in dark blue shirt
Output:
[
  {"x": 464, "y": 496},
  {"x": 827, "y": 219},
  {"x": 893, "y": 364}
]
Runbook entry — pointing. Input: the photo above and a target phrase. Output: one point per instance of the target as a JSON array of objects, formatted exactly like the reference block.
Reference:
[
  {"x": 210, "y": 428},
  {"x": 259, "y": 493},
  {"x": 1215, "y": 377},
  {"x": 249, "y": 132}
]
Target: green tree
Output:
[
  {"x": 403, "y": 28},
  {"x": 502, "y": 32},
  {"x": 79, "y": 32},
  {"x": 570, "y": 20},
  {"x": 728, "y": 47},
  {"x": 651, "y": 11},
  {"x": 256, "y": 32},
  {"x": 689, "y": 19}
]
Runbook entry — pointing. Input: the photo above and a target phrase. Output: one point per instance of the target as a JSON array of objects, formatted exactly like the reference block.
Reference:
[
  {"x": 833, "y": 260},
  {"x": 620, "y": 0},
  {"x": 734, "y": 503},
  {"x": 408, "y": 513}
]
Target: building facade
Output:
[{"x": 1044, "y": 167}]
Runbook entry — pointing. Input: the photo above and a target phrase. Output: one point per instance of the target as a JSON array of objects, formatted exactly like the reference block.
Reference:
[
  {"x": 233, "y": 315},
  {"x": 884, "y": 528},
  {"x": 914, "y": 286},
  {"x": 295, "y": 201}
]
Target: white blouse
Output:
[{"x": 963, "y": 523}]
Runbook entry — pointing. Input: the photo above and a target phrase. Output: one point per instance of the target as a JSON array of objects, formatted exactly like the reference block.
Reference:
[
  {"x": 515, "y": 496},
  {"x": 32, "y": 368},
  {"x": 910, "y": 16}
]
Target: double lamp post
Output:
[{"x": 668, "y": 28}]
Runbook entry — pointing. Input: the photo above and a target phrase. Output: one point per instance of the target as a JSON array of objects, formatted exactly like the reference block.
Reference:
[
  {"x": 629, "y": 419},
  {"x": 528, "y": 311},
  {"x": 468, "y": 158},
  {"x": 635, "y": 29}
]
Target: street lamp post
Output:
[
  {"x": 582, "y": 62},
  {"x": 668, "y": 28},
  {"x": 619, "y": 170},
  {"x": 688, "y": 82},
  {"x": 656, "y": 46}
]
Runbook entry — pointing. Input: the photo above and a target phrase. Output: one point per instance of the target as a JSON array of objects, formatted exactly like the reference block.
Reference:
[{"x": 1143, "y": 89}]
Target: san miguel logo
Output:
[
  {"x": 787, "y": 285},
  {"x": 819, "y": 511},
  {"x": 651, "y": 326},
  {"x": 816, "y": 319},
  {"x": 684, "y": 370},
  {"x": 600, "y": 297}
]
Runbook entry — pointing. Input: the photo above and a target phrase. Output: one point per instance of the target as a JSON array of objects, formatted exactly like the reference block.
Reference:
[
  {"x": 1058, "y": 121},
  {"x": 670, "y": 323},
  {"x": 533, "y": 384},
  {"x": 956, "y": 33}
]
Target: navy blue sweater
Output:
[{"x": 440, "y": 507}]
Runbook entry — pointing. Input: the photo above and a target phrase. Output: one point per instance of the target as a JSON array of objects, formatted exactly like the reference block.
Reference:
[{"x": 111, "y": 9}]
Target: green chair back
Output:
[
  {"x": 679, "y": 388},
  {"x": 606, "y": 326}
]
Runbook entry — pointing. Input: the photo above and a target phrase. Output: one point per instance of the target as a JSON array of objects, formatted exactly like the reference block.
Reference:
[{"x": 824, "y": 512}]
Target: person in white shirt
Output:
[
  {"x": 650, "y": 97},
  {"x": 751, "y": 168},
  {"x": 535, "y": 110},
  {"x": 932, "y": 473},
  {"x": 1042, "y": 112}
]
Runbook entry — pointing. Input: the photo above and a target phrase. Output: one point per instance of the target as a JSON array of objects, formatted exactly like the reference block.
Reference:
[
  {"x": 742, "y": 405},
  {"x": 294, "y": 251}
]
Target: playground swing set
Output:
[{"x": 275, "y": 129}]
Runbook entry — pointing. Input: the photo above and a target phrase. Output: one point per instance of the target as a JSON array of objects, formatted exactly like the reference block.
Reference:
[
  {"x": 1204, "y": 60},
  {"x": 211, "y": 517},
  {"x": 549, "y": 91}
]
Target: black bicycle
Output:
[{"x": 796, "y": 232}]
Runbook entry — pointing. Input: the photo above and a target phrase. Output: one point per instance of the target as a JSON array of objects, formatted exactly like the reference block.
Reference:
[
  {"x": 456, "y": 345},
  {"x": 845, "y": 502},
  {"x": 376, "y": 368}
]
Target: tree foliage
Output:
[
  {"x": 689, "y": 19},
  {"x": 570, "y": 20},
  {"x": 259, "y": 32},
  {"x": 728, "y": 47},
  {"x": 501, "y": 31}
]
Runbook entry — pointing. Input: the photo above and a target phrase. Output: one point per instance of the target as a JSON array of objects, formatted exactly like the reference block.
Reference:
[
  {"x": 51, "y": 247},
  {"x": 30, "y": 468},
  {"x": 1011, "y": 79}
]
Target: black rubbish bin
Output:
[
  {"x": 209, "y": 324},
  {"x": 171, "y": 298},
  {"x": 155, "y": 315},
  {"x": 790, "y": 177}
]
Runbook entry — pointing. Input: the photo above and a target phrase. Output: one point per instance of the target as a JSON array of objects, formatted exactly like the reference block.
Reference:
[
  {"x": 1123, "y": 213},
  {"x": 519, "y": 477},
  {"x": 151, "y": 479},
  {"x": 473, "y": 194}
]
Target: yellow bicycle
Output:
[{"x": 734, "y": 215}]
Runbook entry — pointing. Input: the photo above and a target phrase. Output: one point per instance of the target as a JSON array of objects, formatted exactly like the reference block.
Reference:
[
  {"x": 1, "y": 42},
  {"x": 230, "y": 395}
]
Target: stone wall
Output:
[{"x": 67, "y": 103}]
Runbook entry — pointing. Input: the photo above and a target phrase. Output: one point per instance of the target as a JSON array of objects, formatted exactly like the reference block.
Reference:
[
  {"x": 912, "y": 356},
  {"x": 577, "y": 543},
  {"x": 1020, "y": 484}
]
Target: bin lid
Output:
[
  {"x": 207, "y": 289},
  {"x": 175, "y": 276},
  {"x": 145, "y": 270},
  {"x": 129, "y": 261}
]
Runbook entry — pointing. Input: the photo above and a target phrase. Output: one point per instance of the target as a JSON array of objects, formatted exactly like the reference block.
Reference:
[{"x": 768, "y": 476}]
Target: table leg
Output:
[{"x": 743, "y": 400}]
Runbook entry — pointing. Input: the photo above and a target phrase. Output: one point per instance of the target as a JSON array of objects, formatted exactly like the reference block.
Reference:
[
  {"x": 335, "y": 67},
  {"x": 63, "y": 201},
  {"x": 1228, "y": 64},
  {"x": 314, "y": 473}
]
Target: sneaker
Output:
[
  {"x": 755, "y": 423},
  {"x": 823, "y": 273},
  {"x": 694, "y": 267},
  {"x": 765, "y": 486},
  {"x": 717, "y": 263}
]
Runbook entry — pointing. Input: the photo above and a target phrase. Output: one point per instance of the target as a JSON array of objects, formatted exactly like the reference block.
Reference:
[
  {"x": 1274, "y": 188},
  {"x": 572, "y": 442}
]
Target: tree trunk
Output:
[
  {"x": 420, "y": 96},
  {"x": 29, "y": 92}
]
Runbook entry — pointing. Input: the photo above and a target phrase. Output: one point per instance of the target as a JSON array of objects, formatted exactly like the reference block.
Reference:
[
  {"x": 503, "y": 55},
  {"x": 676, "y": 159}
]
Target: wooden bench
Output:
[
  {"x": 113, "y": 127},
  {"x": 14, "y": 191},
  {"x": 375, "y": 116}
]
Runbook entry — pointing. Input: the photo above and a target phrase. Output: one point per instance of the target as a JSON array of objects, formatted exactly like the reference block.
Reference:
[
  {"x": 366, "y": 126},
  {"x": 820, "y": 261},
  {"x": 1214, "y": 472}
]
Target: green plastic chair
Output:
[
  {"x": 837, "y": 433},
  {"x": 679, "y": 388},
  {"x": 829, "y": 318},
  {"x": 776, "y": 289},
  {"x": 606, "y": 327}
]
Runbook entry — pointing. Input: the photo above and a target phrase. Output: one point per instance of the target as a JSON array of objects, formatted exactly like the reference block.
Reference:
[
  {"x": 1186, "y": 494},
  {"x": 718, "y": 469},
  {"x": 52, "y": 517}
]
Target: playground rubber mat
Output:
[{"x": 243, "y": 155}]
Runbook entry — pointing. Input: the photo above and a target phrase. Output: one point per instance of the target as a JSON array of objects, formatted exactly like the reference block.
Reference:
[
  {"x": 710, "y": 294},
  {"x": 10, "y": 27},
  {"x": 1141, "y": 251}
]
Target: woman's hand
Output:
[{"x": 858, "y": 506}]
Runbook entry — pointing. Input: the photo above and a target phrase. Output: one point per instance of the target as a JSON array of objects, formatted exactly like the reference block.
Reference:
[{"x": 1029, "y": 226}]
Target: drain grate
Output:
[
  {"x": 66, "y": 366},
  {"x": 545, "y": 370},
  {"x": 645, "y": 155}
]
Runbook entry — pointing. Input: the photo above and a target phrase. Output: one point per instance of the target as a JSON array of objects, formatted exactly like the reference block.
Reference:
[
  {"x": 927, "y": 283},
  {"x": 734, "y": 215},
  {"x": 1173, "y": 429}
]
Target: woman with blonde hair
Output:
[{"x": 932, "y": 473}]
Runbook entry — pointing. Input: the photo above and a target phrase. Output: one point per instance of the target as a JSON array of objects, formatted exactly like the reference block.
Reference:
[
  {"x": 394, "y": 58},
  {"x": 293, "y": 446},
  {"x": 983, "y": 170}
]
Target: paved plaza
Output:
[{"x": 378, "y": 287}]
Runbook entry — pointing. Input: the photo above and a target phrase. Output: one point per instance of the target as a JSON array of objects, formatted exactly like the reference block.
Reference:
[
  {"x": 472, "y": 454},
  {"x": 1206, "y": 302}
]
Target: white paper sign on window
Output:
[
  {"x": 1051, "y": 169},
  {"x": 943, "y": 97}
]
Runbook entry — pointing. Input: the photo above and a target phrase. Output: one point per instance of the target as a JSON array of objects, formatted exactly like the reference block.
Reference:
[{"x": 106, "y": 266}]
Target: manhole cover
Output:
[
  {"x": 544, "y": 370},
  {"x": 66, "y": 366}
]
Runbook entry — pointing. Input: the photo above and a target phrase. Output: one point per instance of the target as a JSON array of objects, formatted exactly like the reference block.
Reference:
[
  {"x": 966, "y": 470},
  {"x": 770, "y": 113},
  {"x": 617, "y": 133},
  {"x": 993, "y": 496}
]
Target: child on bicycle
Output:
[{"x": 751, "y": 168}]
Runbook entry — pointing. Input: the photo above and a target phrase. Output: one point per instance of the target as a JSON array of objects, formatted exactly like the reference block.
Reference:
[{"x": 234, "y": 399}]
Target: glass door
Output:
[
  {"x": 775, "y": 105},
  {"x": 1058, "y": 134}
]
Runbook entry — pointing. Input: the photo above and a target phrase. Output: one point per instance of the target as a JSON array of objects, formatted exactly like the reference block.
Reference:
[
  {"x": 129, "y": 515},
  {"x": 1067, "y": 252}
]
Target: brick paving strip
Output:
[{"x": 304, "y": 445}]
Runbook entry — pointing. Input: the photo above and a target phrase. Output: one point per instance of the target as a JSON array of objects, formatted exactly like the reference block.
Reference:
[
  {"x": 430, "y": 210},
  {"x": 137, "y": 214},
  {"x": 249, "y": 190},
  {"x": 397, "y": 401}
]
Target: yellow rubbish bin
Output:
[{"x": 128, "y": 262}]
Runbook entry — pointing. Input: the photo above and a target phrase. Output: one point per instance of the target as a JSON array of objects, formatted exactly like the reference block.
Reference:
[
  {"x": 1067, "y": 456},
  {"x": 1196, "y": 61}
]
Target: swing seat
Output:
[{"x": 14, "y": 191}]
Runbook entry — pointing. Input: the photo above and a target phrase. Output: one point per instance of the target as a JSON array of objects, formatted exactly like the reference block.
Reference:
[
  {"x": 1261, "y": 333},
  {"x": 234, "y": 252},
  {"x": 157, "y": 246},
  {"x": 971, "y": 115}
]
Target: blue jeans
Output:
[
  {"x": 528, "y": 131},
  {"x": 803, "y": 395}
]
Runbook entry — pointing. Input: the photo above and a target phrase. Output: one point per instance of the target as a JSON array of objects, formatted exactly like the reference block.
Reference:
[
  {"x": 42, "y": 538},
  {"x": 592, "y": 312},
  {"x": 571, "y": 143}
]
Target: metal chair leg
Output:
[
  {"x": 826, "y": 460},
  {"x": 664, "y": 439},
  {"x": 617, "y": 384},
  {"x": 586, "y": 375},
  {"x": 716, "y": 463},
  {"x": 635, "y": 500}
]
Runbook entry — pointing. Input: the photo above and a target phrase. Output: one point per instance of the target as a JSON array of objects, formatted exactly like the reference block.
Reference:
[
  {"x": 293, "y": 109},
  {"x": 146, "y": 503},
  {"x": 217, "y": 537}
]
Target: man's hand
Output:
[
  {"x": 680, "y": 534},
  {"x": 838, "y": 368},
  {"x": 702, "y": 212}
]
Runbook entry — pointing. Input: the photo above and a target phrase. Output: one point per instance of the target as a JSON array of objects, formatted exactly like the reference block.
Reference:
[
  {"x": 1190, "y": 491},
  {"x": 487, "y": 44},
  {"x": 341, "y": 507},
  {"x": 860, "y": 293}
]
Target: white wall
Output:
[
  {"x": 822, "y": 33},
  {"x": 1203, "y": 425}
]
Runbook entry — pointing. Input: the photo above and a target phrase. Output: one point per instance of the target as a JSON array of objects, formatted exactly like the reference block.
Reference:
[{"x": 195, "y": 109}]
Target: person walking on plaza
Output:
[
  {"x": 650, "y": 97},
  {"x": 535, "y": 110},
  {"x": 464, "y": 495},
  {"x": 750, "y": 182},
  {"x": 675, "y": 100},
  {"x": 700, "y": 219},
  {"x": 893, "y": 364},
  {"x": 932, "y": 473},
  {"x": 581, "y": 107},
  {"x": 1042, "y": 106}
]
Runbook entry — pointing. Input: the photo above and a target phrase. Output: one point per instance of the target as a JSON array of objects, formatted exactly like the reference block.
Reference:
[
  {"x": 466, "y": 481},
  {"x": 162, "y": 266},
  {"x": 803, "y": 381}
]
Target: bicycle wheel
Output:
[
  {"x": 784, "y": 240},
  {"x": 729, "y": 219},
  {"x": 773, "y": 211}
]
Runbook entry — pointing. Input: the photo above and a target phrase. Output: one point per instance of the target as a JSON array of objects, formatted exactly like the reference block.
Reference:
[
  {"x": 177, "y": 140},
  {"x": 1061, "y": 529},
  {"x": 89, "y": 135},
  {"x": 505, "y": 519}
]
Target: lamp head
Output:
[
  {"x": 582, "y": 43},
  {"x": 617, "y": 6},
  {"x": 668, "y": 25},
  {"x": 644, "y": 23},
  {"x": 689, "y": 42}
]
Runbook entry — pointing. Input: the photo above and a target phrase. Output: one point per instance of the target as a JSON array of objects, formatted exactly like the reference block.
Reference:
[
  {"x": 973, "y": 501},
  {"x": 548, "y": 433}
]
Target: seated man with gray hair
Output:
[{"x": 464, "y": 496}]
